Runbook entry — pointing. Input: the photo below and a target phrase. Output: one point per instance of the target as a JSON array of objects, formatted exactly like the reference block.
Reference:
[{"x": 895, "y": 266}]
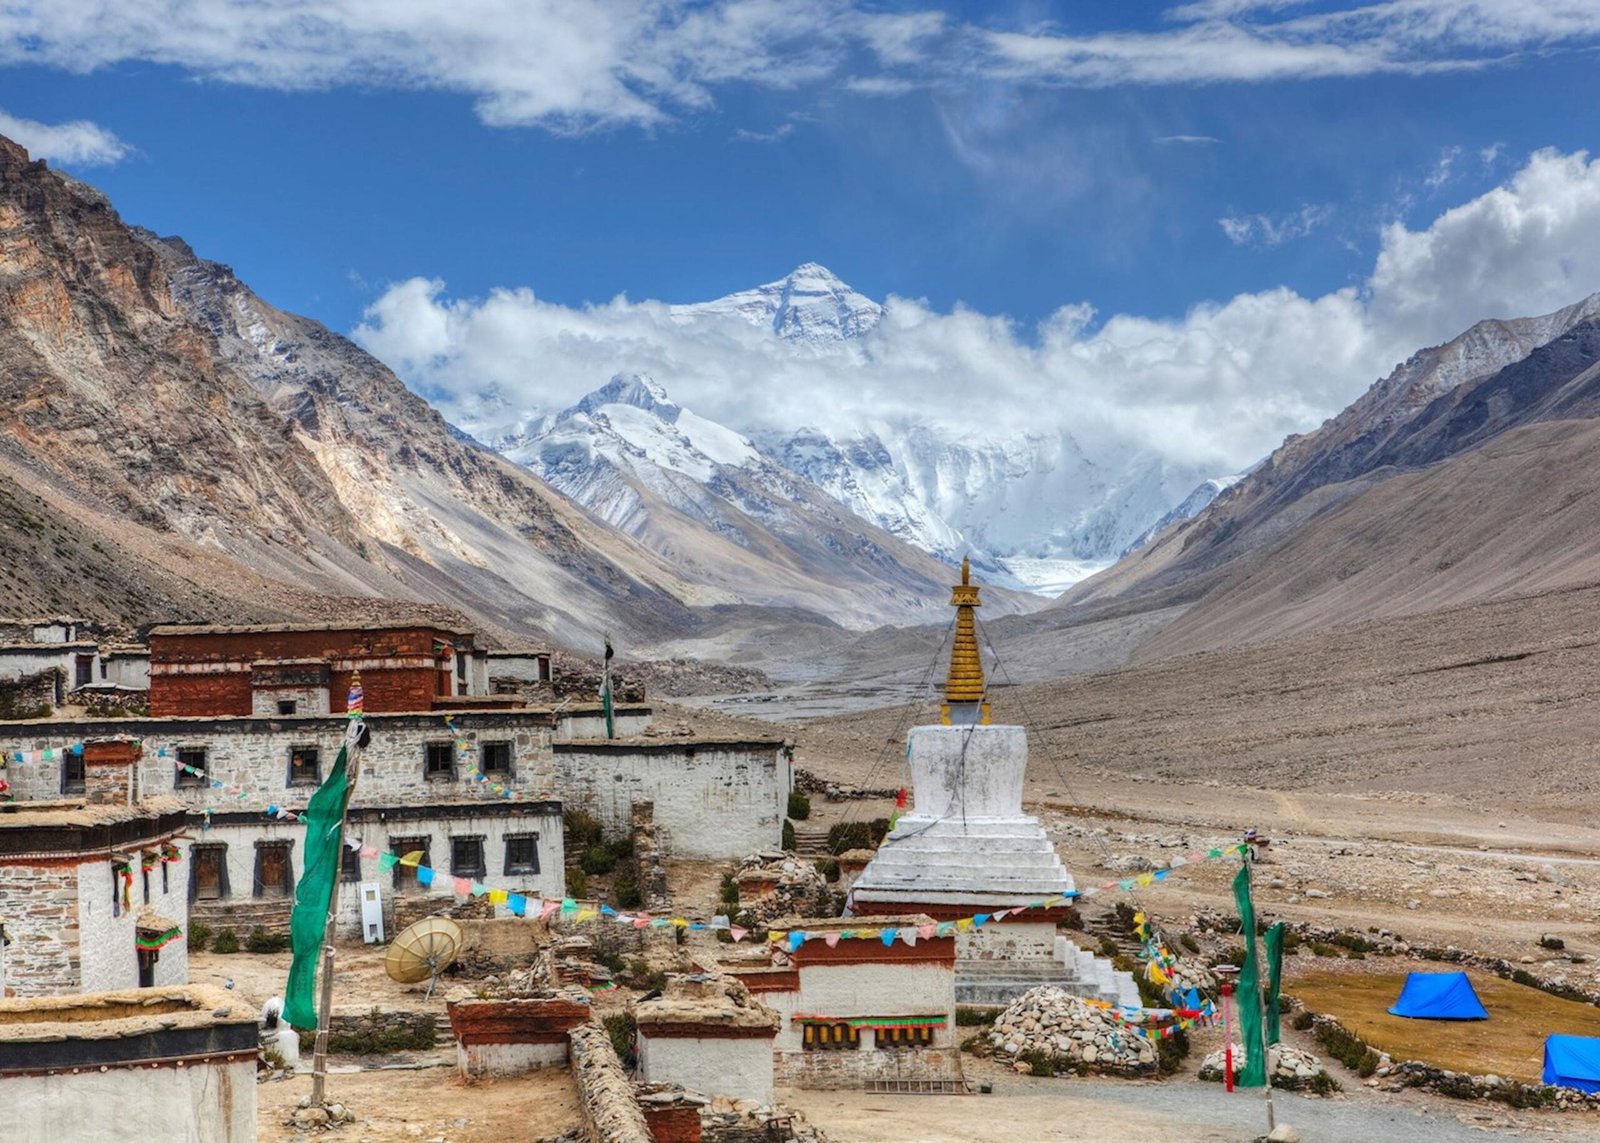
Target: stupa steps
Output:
[{"x": 912, "y": 828}]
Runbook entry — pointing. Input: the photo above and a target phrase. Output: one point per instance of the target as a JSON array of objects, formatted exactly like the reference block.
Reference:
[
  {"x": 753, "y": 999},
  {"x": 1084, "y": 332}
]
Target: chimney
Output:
[{"x": 111, "y": 771}]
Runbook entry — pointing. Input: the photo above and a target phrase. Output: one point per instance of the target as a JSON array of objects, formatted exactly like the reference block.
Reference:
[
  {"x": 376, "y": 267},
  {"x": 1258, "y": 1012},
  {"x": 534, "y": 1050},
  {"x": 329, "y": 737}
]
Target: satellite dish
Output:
[{"x": 423, "y": 951}]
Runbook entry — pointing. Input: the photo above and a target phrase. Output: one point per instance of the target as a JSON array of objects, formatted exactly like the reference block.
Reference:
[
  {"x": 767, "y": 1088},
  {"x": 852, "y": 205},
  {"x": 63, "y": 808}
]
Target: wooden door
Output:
[
  {"x": 274, "y": 874},
  {"x": 207, "y": 872}
]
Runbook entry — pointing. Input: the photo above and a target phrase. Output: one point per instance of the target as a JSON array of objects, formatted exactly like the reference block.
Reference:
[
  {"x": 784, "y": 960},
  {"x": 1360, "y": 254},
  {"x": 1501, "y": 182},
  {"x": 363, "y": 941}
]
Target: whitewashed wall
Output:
[
  {"x": 868, "y": 990},
  {"x": 714, "y": 1065},
  {"x": 200, "y": 1103},
  {"x": 712, "y": 800}
]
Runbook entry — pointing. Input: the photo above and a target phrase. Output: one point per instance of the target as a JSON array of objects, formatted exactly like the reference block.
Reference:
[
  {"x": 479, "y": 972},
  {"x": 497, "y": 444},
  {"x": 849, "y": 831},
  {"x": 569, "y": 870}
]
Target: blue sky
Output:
[{"x": 1017, "y": 158}]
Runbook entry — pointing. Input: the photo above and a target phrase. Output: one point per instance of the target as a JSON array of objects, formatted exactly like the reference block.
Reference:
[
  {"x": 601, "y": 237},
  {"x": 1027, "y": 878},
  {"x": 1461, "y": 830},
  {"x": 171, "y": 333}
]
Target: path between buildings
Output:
[{"x": 1060, "y": 1110}]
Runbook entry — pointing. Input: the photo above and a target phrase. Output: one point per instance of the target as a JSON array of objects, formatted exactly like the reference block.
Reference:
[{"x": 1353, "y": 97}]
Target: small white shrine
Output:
[{"x": 967, "y": 848}]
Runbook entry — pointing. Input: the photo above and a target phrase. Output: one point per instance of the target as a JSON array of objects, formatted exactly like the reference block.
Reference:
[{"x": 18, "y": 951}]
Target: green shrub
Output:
[
  {"x": 1170, "y": 1052},
  {"x": 582, "y": 828},
  {"x": 1549, "y": 941},
  {"x": 1188, "y": 942},
  {"x": 1302, "y": 1021},
  {"x": 1039, "y": 1061},
  {"x": 623, "y": 1030},
  {"x": 597, "y": 860},
  {"x": 1367, "y": 1064},
  {"x": 1322, "y": 948},
  {"x": 1324, "y": 1084},
  {"x": 788, "y": 835},
  {"x": 730, "y": 891},
  {"x": 577, "y": 883},
  {"x": 975, "y": 1017},
  {"x": 638, "y": 974},
  {"x": 261, "y": 941},
  {"x": 199, "y": 936},
  {"x": 846, "y": 836},
  {"x": 1125, "y": 914},
  {"x": 1344, "y": 1046},
  {"x": 799, "y": 806},
  {"x": 227, "y": 941},
  {"x": 829, "y": 868},
  {"x": 1109, "y": 948},
  {"x": 627, "y": 892},
  {"x": 382, "y": 1040}
]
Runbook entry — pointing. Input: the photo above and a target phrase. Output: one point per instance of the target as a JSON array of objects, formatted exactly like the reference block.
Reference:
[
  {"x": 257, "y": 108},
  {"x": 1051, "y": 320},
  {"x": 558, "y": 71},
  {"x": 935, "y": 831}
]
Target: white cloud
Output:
[
  {"x": 1274, "y": 230},
  {"x": 1190, "y": 140},
  {"x": 79, "y": 143},
  {"x": 780, "y": 132},
  {"x": 1219, "y": 386},
  {"x": 1443, "y": 169},
  {"x": 574, "y": 65}
]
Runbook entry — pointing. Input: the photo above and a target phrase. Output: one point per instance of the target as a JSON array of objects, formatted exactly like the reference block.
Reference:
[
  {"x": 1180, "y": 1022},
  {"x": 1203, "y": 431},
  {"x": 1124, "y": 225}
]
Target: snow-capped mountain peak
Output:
[
  {"x": 810, "y": 305},
  {"x": 632, "y": 389}
]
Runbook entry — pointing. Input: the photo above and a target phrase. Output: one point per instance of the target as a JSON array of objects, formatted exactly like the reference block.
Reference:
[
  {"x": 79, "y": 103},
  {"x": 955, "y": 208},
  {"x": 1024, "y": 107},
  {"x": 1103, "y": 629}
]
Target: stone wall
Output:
[
  {"x": 712, "y": 799},
  {"x": 609, "y": 1108},
  {"x": 215, "y": 1102},
  {"x": 32, "y": 695},
  {"x": 840, "y": 1071},
  {"x": 739, "y": 1067},
  {"x": 391, "y": 829},
  {"x": 647, "y": 855},
  {"x": 253, "y": 753},
  {"x": 41, "y": 918}
]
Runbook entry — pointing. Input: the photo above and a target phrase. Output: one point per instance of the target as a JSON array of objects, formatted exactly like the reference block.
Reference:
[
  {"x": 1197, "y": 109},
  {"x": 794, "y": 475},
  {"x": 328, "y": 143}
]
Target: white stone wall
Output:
[
  {"x": 105, "y": 941},
  {"x": 975, "y": 771},
  {"x": 16, "y": 662},
  {"x": 628, "y": 721},
  {"x": 713, "y": 1065},
  {"x": 127, "y": 670},
  {"x": 712, "y": 800},
  {"x": 1010, "y": 940},
  {"x": 198, "y": 1103},
  {"x": 493, "y": 824},
  {"x": 523, "y": 668},
  {"x": 889, "y": 989},
  {"x": 508, "y": 1059}
]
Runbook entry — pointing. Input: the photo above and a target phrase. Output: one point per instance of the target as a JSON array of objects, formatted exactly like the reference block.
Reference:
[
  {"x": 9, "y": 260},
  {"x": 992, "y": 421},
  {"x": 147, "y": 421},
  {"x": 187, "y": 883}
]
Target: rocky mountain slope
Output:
[
  {"x": 1458, "y": 478},
  {"x": 193, "y": 452}
]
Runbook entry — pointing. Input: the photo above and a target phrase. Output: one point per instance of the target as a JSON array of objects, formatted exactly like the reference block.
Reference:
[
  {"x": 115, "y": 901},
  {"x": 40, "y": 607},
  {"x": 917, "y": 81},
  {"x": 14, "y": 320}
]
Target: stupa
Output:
[{"x": 966, "y": 847}]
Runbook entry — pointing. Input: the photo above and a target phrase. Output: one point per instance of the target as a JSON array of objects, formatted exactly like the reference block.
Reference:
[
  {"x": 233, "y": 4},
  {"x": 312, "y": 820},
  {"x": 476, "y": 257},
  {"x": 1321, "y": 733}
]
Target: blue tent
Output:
[
  {"x": 1572, "y": 1061},
  {"x": 1439, "y": 996}
]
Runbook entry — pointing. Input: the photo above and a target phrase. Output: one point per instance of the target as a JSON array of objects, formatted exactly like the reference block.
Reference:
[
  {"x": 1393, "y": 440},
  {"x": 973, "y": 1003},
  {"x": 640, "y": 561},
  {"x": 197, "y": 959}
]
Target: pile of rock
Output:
[
  {"x": 1290, "y": 1068},
  {"x": 328, "y": 1117},
  {"x": 1189, "y": 973},
  {"x": 1462, "y": 1085},
  {"x": 773, "y": 885},
  {"x": 1051, "y": 1025}
]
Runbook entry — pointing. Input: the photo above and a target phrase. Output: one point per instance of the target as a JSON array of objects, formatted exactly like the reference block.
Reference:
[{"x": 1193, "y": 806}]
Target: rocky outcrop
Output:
[
  {"x": 609, "y": 1107},
  {"x": 1291, "y": 1069}
]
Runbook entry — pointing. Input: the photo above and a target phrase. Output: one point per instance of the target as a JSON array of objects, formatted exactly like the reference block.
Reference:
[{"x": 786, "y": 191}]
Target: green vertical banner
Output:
[
  {"x": 1254, "y": 1072},
  {"x": 1274, "y": 945},
  {"x": 312, "y": 896},
  {"x": 605, "y": 693}
]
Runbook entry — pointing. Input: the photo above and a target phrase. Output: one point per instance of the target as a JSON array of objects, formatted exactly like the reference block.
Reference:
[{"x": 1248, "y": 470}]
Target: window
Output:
[
  {"x": 522, "y": 853},
  {"x": 466, "y": 856},
  {"x": 72, "y": 773},
  {"x": 350, "y": 865},
  {"x": 287, "y": 706},
  {"x": 405, "y": 876},
  {"x": 83, "y": 673},
  {"x": 274, "y": 869},
  {"x": 840, "y": 1037},
  {"x": 439, "y": 761},
  {"x": 304, "y": 767},
  {"x": 208, "y": 872},
  {"x": 190, "y": 760},
  {"x": 495, "y": 758}
]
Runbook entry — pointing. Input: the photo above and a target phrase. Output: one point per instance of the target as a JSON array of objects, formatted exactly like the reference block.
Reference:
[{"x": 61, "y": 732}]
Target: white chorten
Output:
[{"x": 966, "y": 847}]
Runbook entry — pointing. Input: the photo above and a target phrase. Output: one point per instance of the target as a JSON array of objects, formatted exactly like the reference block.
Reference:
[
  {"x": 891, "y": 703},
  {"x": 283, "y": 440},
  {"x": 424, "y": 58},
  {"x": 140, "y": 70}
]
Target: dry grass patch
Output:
[{"x": 1509, "y": 1043}]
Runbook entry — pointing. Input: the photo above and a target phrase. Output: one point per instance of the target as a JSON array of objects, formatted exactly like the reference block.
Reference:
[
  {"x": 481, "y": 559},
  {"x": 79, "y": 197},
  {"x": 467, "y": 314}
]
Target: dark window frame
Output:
[
  {"x": 529, "y": 868},
  {"x": 350, "y": 857},
  {"x": 201, "y": 850},
  {"x": 186, "y": 780},
  {"x": 74, "y": 776},
  {"x": 288, "y": 707},
  {"x": 508, "y": 769},
  {"x": 432, "y": 752},
  {"x": 405, "y": 876},
  {"x": 296, "y": 757},
  {"x": 477, "y": 868},
  {"x": 258, "y": 887}
]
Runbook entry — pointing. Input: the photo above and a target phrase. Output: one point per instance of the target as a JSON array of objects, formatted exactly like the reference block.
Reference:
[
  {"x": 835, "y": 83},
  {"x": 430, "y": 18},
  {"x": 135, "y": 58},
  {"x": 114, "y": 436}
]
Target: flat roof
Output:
[
  {"x": 280, "y": 628},
  {"x": 839, "y": 924},
  {"x": 78, "y": 812}
]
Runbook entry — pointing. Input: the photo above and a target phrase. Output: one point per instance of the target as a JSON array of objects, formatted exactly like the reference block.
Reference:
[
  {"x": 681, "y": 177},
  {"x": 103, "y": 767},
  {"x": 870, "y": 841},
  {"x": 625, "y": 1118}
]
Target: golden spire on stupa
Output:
[{"x": 964, "y": 686}]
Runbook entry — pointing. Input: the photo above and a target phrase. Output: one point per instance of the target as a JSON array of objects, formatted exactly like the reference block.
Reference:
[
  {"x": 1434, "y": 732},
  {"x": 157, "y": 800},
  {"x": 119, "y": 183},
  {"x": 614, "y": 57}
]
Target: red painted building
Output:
[{"x": 305, "y": 670}]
